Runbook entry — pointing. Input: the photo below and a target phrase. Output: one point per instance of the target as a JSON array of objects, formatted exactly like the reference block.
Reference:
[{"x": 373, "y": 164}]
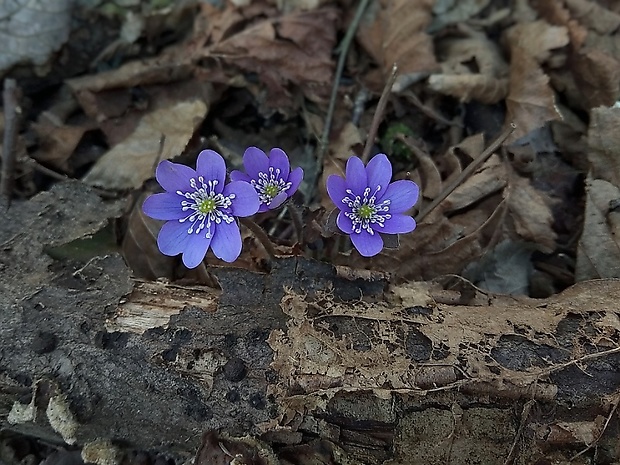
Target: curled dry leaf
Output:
[
  {"x": 57, "y": 143},
  {"x": 598, "y": 252},
  {"x": 531, "y": 100},
  {"x": 538, "y": 38},
  {"x": 295, "y": 48},
  {"x": 395, "y": 32},
  {"x": 604, "y": 143},
  {"x": 131, "y": 162},
  {"x": 140, "y": 249},
  {"x": 486, "y": 82},
  {"x": 530, "y": 211}
]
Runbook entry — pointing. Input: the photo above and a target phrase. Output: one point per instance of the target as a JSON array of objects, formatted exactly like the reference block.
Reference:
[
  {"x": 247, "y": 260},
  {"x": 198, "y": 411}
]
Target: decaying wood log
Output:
[{"x": 317, "y": 364}]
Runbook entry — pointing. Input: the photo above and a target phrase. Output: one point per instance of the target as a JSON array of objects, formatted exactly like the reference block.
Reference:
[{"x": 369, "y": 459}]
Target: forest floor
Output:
[{"x": 503, "y": 113}]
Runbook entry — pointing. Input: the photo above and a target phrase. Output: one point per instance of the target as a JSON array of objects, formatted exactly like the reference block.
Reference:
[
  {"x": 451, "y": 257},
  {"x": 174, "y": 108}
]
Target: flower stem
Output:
[
  {"x": 260, "y": 235},
  {"x": 296, "y": 217}
]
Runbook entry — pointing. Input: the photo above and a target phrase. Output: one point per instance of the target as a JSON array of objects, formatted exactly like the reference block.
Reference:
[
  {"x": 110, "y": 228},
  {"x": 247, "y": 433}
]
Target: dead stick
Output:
[
  {"x": 473, "y": 166},
  {"x": 9, "y": 154},
  {"x": 378, "y": 116},
  {"x": 343, "y": 50}
]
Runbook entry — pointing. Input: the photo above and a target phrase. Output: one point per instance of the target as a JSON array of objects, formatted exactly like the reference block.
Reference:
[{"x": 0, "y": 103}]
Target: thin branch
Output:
[
  {"x": 471, "y": 168},
  {"x": 343, "y": 49},
  {"x": 378, "y": 116},
  {"x": 9, "y": 154},
  {"x": 297, "y": 223}
]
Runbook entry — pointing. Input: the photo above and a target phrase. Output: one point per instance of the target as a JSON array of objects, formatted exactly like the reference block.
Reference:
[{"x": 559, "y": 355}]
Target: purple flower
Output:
[
  {"x": 271, "y": 176},
  {"x": 200, "y": 210},
  {"x": 370, "y": 204}
]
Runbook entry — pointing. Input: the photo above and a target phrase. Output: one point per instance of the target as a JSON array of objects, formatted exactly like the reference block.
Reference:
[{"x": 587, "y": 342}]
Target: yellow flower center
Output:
[
  {"x": 206, "y": 206},
  {"x": 365, "y": 211},
  {"x": 271, "y": 190}
]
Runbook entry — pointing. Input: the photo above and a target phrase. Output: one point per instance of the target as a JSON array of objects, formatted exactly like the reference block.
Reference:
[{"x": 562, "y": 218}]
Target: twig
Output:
[
  {"x": 9, "y": 154},
  {"x": 260, "y": 235},
  {"x": 600, "y": 435},
  {"x": 343, "y": 49},
  {"x": 473, "y": 166},
  {"x": 378, "y": 116}
]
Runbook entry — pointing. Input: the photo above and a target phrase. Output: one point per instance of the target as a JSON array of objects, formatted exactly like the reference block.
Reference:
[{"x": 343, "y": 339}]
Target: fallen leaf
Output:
[
  {"x": 131, "y": 162},
  {"x": 604, "y": 143},
  {"x": 467, "y": 87},
  {"x": 395, "y": 32},
  {"x": 295, "y": 48},
  {"x": 531, "y": 213},
  {"x": 598, "y": 252},
  {"x": 31, "y": 31},
  {"x": 538, "y": 38},
  {"x": 531, "y": 101},
  {"x": 597, "y": 76}
]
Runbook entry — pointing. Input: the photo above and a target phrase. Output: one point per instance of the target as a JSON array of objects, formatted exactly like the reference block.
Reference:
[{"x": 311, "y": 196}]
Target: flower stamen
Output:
[
  {"x": 205, "y": 207},
  {"x": 269, "y": 185},
  {"x": 365, "y": 211}
]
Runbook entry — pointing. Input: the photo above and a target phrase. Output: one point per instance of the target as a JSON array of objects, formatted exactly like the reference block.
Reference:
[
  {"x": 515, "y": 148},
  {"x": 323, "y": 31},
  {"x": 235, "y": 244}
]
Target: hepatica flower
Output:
[
  {"x": 200, "y": 209},
  {"x": 370, "y": 205},
  {"x": 271, "y": 176}
]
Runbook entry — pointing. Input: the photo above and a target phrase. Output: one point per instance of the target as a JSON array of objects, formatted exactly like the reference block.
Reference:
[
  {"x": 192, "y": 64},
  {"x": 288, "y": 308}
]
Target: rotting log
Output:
[{"x": 317, "y": 362}]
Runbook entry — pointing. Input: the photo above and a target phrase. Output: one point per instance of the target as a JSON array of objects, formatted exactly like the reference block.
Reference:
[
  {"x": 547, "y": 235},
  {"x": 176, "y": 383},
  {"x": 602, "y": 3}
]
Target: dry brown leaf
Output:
[
  {"x": 594, "y": 16},
  {"x": 473, "y": 69},
  {"x": 467, "y": 87},
  {"x": 597, "y": 75},
  {"x": 57, "y": 143},
  {"x": 395, "y": 32},
  {"x": 531, "y": 212},
  {"x": 295, "y": 48},
  {"x": 140, "y": 249},
  {"x": 538, "y": 38},
  {"x": 604, "y": 142},
  {"x": 131, "y": 162},
  {"x": 598, "y": 252},
  {"x": 490, "y": 178},
  {"x": 531, "y": 101}
]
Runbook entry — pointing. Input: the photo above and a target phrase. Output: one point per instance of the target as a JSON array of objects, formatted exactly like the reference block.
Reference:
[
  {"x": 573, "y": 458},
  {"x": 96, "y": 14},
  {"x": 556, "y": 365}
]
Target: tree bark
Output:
[{"x": 320, "y": 364}]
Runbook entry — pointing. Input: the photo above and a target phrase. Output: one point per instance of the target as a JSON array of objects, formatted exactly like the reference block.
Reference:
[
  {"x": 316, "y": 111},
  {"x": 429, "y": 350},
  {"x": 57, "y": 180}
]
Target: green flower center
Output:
[
  {"x": 271, "y": 190},
  {"x": 365, "y": 212},
  {"x": 206, "y": 206}
]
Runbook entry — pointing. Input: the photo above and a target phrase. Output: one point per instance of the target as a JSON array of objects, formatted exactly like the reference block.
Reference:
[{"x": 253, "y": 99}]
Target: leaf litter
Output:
[{"x": 538, "y": 215}]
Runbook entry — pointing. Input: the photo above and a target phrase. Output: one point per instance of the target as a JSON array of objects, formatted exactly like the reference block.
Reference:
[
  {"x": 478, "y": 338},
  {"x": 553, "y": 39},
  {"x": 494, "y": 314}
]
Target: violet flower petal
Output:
[
  {"x": 402, "y": 195},
  {"x": 295, "y": 178},
  {"x": 164, "y": 206},
  {"x": 379, "y": 172},
  {"x": 236, "y": 175},
  {"x": 367, "y": 244},
  {"x": 173, "y": 237},
  {"x": 226, "y": 243},
  {"x": 278, "y": 200},
  {"x": 195, "y": 249},
  {"x": 246, "y": 200},
  {"x": 344, "y": 223},
  {"x": 255, "y": 161},
  {"x": 174, "y": 176},
  {"x": 337, "y": 190},
  {"x": 397, "y": 224},
  {"x": 356, "y": 177},
  {"x": 211, "y": 166},
  {"x": 279, "y": 160}
]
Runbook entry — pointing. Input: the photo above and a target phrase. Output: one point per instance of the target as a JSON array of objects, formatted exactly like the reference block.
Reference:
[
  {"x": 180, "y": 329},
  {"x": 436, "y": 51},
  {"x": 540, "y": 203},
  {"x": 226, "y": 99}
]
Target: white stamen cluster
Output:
[
  {"x": 204, "y": 206},
  {"x": 364, "y": 212},
  {"x": 269, "y": 185}
]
